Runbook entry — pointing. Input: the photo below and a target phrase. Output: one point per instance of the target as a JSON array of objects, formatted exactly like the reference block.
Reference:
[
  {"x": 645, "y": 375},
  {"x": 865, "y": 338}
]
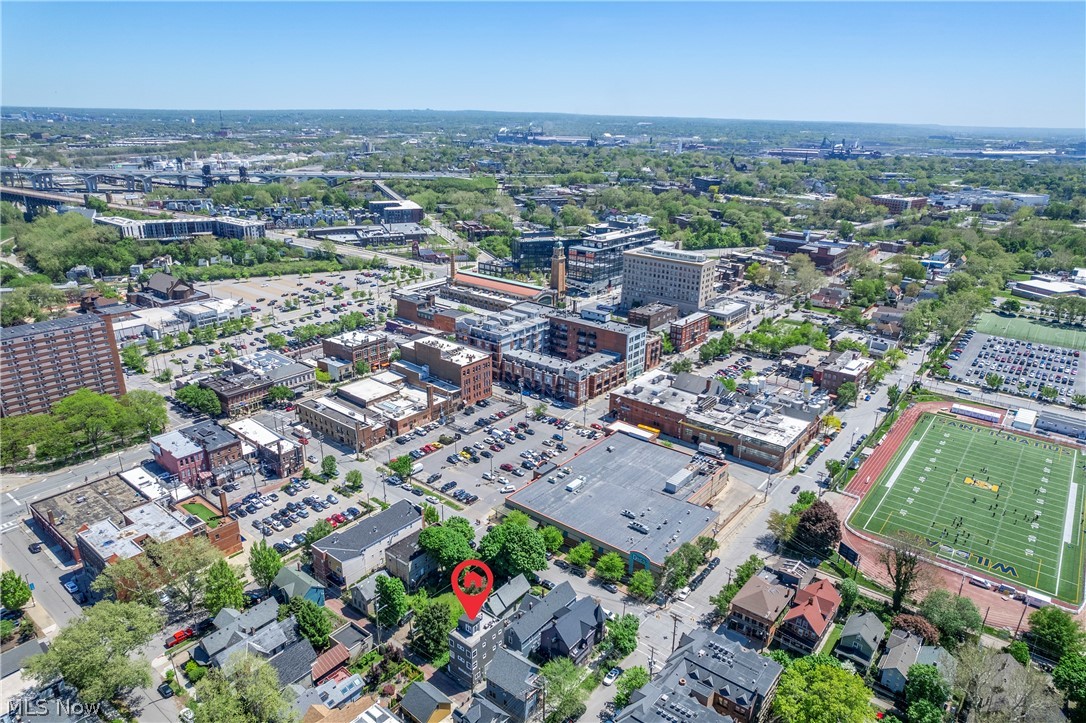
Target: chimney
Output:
[
  {"x": 452, "y": 264},
  {"x": 430, "y": 397},
  {"x": 52, "y": 522},
  {"x": 223, "y": 507}
]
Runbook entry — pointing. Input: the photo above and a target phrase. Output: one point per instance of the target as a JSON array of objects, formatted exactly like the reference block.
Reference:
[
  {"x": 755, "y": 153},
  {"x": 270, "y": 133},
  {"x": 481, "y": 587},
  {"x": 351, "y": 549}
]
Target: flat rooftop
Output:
[
  {"x": 620, "y": 472},
  {"x": 104, "y": 499},
  {"x": 451, "y": 351},
  {"x": 110, "y": 539},
  {"x": 356, "y": 338},
  {"x": 254, "y": 432}
]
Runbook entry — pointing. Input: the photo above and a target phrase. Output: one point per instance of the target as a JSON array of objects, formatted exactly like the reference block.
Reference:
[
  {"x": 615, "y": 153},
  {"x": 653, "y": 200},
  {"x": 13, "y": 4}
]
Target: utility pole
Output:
[{"x": 674, "y": 628}]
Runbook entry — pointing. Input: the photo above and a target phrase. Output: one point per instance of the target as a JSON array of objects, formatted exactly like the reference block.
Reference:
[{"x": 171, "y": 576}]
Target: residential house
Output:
[
  {"x": 861, "y": 639},
  {"x": 904, "y": 650},
  {"x": 424, "y": 703},
  {"x": 290, "y": 583},
  {"x": 356, "y": 637},
  {"x": 655, "y": 704},
  {"x": 333, "y": 693},
  {"x": 480, "y": 710},
  {"x": 408, "y": 561},
  {"x": 718, "y": 673},
  {"x": 806, "y": 623},
  {"x": 1002, "y": 695},
  {"x": 756, "y": 610},
  {"x": 792, "y": 573},
  {"x": 364, "y": 594},
  {"x": 350, "y": 554},
  {"x": 473, "y": 641},
  {"x": 574, "y": 632},
  {"x": 525, "y": 632},
  {"x": 330, "y": 663},
  {"x": 831, "y": 297},
  {"x": 513, "y": 685},
  {"x": 362, "y": 710}
]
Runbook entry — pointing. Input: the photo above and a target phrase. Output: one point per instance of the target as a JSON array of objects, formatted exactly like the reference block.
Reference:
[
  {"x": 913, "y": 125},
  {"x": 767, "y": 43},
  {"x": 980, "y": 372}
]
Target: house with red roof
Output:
[{"x": 806, "y": 623}]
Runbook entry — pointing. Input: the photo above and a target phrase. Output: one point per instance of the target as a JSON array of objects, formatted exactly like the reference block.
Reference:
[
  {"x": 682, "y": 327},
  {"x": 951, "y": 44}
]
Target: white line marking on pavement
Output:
[{"x": 12, "y": 498}]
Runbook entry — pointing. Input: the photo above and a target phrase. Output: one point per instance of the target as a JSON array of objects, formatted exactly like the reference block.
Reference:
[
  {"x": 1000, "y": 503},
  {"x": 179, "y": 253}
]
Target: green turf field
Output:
[
  {"x": 1028, "y": 330},
  {"x": 1011, "y": 507}
]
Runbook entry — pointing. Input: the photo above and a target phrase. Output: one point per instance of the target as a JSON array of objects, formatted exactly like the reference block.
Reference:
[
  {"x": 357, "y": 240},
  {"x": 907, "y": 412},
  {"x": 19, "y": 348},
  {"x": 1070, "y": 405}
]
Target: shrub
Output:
[{"x": 194, "y": 672}]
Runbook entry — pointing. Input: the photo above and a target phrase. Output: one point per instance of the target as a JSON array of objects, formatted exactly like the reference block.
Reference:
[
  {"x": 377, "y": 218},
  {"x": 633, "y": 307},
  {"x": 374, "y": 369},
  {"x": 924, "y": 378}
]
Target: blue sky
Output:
[{"x": 977, "y": 64}]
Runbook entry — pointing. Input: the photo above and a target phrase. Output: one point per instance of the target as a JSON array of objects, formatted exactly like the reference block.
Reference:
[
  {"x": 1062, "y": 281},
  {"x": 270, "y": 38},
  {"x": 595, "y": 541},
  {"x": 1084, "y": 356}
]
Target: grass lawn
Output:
[
  {"x": 1006, "y": 506},
  {"x": 1043, "y": 332},
  {"x": 204, "y": 513},
  {"x": 833, "y": 637}
]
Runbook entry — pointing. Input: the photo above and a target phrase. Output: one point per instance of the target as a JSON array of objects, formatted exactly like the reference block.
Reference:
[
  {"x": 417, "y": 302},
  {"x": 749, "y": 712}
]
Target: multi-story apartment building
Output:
[
  {"x": 689, "y": 331},
  {"x": 44, "y": 362},
  {"x": 678, "y": 278},
  {"x": 469, "y": 370},
  {"x": 574, "y": 337},
  {"x": 222, "y": 227},
  {"x": 598, "y": 259},
  {"x": 574, "y": 382},
  {"x": 522, "y": 327},
  {"x": 360, "y": 346},
  {"x": 533, "y": 253},
  {"x": 756, "y": 610},
  {"x": 896, "y": 203}
]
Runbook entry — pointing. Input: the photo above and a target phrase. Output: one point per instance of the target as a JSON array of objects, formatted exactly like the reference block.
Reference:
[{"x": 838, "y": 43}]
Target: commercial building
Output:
[
  {"x": 977, "y": 198},
  {"x": 769, "y": 430},
  {"x": 522, "y": 327},
  {"x": 347, "y": 555},
  {"x": 827, "y": 256},
  {"x": 689, "y": 331},
  {"x": 359, "y": 346},
  {"x": 398, "y": 211},
  {"x": 44, "y": 362},
  {"x": 665, "y": 488},
  {"x": 179, "y": 228},
  {"x": 466, "y": 369},
  {"x": 683, "y": 279},
  {"x": 534, "y": 253},
  {"x": 575, "y": 337},
  {"x": 839, "y": 368},
  {"x": 1040, "y": 286},
  {"x": 896, "y": 203},
  {"x": 652, "y": 316},
  {"x": 597, "y": 261},
  {"x": 107, "y": 541},
  {"x": 222, "y": 450},
  {"x": 247, "y": 385},
  {"x": 572, "y": 382},
  {"x": 179, "y": 455},
  {"x": 278, "y": 455},
  {"x": 213, "y": 312}
]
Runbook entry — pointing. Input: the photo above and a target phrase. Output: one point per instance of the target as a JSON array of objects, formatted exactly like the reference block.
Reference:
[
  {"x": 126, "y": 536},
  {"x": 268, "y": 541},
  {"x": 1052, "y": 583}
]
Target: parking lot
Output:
[{"x": 1025, "y": 367}]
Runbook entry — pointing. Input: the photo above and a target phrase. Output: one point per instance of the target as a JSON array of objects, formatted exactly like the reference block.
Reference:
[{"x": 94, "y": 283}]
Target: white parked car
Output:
[{"x": 682, "y": 594}]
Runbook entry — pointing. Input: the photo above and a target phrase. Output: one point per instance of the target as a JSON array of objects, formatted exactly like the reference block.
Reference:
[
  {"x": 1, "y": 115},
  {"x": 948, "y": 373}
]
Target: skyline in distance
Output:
[{"x": 970, "y": 64}]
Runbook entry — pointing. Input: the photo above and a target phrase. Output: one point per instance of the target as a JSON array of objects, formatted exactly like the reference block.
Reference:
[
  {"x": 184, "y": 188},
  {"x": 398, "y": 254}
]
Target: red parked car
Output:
[
  {"x": 332, "y": 521},
  {"x": 339, "y": 517},
  {"x": 179, "y": 637},
  {"x": 507, "y": 467}
]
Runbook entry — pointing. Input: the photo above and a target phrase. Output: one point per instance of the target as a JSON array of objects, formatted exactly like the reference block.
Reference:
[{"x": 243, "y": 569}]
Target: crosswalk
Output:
[{"x": 9, "y": 525}]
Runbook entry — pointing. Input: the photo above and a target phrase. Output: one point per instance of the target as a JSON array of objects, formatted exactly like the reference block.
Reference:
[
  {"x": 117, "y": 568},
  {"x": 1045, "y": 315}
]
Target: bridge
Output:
[{"x": 47, "y": 179}]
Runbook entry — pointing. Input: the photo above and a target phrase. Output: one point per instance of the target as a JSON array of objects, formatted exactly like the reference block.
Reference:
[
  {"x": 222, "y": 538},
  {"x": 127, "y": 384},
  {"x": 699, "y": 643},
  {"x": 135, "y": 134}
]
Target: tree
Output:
[
  {"x": 391, "y": 601},
  {"x": 581, "y": 555},
  {"x": 925, "y": 683},
  {"x": 432, "y": 625},
  {"x": 133, "y": 579},
  {"x": 782, "y": 525},
  {"x": 512, "y": 549},
  {"x": 401, "y": 466},
  {"x": 632, "y": 679},
  {"x": 954, "y": 617},
  {"x": 446, "y": 545},
  {"x": 1011, "y": 306},
  {"x": 1069, "y": 677},
  {"x": 906, "y": 562},
  {"x": 706, "y": 544},
  {"x": 878, "y": 372},
  {"x": 832, "y": 421},
  {"x": 999, "y": 693},
  {"x": 328, "y": 466},
  {"x": 918, "y": 626},
  {"x": 276, "y": 341},
  {"x": 95, "y": 651},
  {"x": 1019, "y": 651},
  {"x": 540, "y": 410},
  {"x": 280, "y": 393},
  {"x": 462, "y": 527},
  {"x": 92, "y": 414},
  {"x": 923, "y": 711},
  {"x": 318, "y": 531},
  {"x": 132, "y": 357},
  {"x": 818, "y": 529},
  {"x": 642, "y": 585},
  {"x": 182, "y": 562},
  {"x": 313, "y": 623},
  {"x": 353, "y": 479},
  {"x": 610, "y": 567},
  {"x": 893, "y": 394},
  {"x": 680, "y": 366},
  {"x": 562, "y": 681},
  {"x": 993, "y": 380},
  {"x": 430, "y": 515},
  {"x": 264, "y": 564},
  {"x": 817, "y": 689},
  {"x": 894, "y": 357},
  {"x": 183, "y": 339},
  {"x": 1054, "y": 633},
  {"x": 1049, "y": 393},
  {"x": 14, "y": 590},
  {"x": 145, "y": 411},
  {"x": 1078, "y": 400},
  {"x": 200, "y": 399},
  {"x": 722, "y": 601},
  {"x": 244, "y": 690},
  {"x": 361, "y": 367},
  {"x": 850, "y": 593},
  {"x": 846, "y": 394},
  {"x": 552, "y": 538},
  {"x": 621, "y": 637},
  {"x": 223, "y": 588}
]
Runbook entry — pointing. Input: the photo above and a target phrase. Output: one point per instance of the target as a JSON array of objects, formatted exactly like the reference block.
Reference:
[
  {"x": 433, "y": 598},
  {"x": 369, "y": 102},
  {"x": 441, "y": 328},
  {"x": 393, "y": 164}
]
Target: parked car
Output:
[
  {"x": 612, "y": 676},
  {"x": 179, "y": 637}
]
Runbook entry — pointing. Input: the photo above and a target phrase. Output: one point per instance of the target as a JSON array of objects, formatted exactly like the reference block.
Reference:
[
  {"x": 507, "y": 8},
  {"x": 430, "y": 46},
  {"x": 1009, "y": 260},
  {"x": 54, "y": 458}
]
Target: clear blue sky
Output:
[{"x": 978, "y": 64}]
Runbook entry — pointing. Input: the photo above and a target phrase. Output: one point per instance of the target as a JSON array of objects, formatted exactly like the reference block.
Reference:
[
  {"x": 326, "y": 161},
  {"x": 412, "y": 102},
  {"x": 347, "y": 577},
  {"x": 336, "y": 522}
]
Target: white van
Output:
[
  {"x": 507, "y": 489},
  {"x": 980, "y": 582}
]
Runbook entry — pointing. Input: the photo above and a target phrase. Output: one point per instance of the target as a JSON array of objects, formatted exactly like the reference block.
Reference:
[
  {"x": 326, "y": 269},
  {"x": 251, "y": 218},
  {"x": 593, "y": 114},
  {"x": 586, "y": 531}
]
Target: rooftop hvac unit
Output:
[{"x": 637, "y": 526}]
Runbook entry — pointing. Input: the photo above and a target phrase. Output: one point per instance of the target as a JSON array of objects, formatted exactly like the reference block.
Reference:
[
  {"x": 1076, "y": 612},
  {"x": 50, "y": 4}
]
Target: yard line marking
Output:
[{"x": 897, "y": 473}]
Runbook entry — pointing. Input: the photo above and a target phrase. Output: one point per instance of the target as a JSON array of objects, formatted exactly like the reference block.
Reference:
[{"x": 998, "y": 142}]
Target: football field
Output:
[{"x": 1007, "y": 506}]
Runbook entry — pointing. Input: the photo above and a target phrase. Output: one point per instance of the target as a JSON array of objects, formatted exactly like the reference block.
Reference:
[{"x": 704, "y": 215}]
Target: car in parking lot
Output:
[
  {"x": 433, "y": 500},
  {"x": 795, "y": 490}
]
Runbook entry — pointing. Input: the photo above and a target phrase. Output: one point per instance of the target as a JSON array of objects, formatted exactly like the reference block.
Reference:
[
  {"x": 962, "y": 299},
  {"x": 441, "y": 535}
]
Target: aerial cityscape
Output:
[{"x": 542, "y": 363}]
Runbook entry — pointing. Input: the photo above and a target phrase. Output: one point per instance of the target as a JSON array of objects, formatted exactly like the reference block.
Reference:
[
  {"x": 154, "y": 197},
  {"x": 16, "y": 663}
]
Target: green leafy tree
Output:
[
  {"x": 1049, "y": 393},
  {"x": 1078, "y": 400},
  {"x": 846, "y": 394},
  {"x": 681, "y": 366},
  {"x": 632, "y": 679},
  {"x": 402, "y": 466},
  {"x": 280, "y": 393},
  {"x": 276, "y": 341},
  {"x": 353, "y": 479},
  {"x": 893, "y": 394},
  {"x": 565, "y": 695},
  {"x": 993, "y": 381},
  {"x": 552, "y": 538},
  {"x": 878, "y": 372},
  {"x": 184, "y": 562},
  {"x": 923, "y": 711},
  {"x": 14, "y": 590},
  {"x": 98, "y": 652},
  {"x": 954, "y": 617},
  {"x": 642, "y": 585},
  {"x": 133, "y": 579},
  {"x": 223, "y": 588},
  {"x": 894, "y": 357},
  {"x": 1012, "y": 306},
  {"x": 145, "y": 411},
  {"x": 512, "y": 549},
  {"x": 818, "y": 690},
  {"x": 318, "y": 531},
  {"x": 132, "y": 357},
  {"x": 313, "y": 622},
  {"x": 446, "y": 545},
  {"x": 850, "y": 592},
  {"x": 581, "y": 555},
  {"x": 361, "y": 367},
  {"x": 391, "y": 601},
  {"x": 722, "y": 601},
  {"x": 540, "y": 410},
  {"x": 432, "y": 625},
  {"x": 906, "y": 561},
  {"x": 782, "y": 525},
  {"x": 610, "y": 567},
  {"x": 1069, "y": 677},
  {"x": 430, "y": 515},
  {"x": 818, "y": 528},
  {"x": 1054, "y": 633},
  {"x": 328, "y": 466},
  {"x": 264, "y": 564},
  {"x": 244, "y": 690},
  {"x": 91, "y": 414},
  {"x": 621, "y": 637},
  {"x": 1018, "y": 650},
  {"x": 200, "y": 398},
  {"x": 706, "y": 545}
]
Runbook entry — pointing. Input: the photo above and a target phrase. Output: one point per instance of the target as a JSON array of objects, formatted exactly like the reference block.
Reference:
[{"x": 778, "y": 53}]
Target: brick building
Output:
[
  {"x": 469, "y": 370},
  {"x": 44, "y": 362},
  {"x": 652, "y": 316},
  {"x": 356, "y": 346},
  {"x": 689, "y": 331},
  {"x": 678, "y": 278},
  {"x": 178, "y": 454}
]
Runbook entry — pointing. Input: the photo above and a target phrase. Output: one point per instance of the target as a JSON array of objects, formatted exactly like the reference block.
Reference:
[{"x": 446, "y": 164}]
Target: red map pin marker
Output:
[{"x": 472, "y": 582}]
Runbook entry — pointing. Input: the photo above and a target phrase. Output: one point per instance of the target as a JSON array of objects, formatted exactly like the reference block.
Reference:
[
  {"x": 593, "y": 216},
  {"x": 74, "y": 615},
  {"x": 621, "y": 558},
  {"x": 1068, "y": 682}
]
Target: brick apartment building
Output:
[
  {"x": 180, "y": 456},
  {"x": 80, "y": 354},
  {"x": 462, "y": 367},
  {"x": 689, "y": 331},
  {"x": 356, "y": 346}
]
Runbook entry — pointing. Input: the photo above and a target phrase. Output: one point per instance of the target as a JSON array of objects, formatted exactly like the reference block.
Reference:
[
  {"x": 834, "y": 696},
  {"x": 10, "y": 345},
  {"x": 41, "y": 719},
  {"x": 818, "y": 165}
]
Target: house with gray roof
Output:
[
  {"x": 534, "y": 614},
  {"x": 513, "y": 685},
  {"x": 294, "y": 663},
  {"x": 473, "y": 641},
  {"x": 904, "y": 650},
  {"x": 502, "y": 600},
  {"x": 364, "y": 594},
  {"x": 290, "y": 583},
  {"x": 860, "y": 639},
  {"x": 574, "y": 632},
  {"x": 480, "y": 710},
  {"x": 424, "y": 703},
  {"x": 233, "y": 626},
  {"x": 13, "y": 660},
  {"x": 721, "y": 674},
  {"x": 347, "y": 555},
  {"x": 655, "y": 704},
  {"x": 330, "y": 693},
  {"x": 408, "y": 561}
]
